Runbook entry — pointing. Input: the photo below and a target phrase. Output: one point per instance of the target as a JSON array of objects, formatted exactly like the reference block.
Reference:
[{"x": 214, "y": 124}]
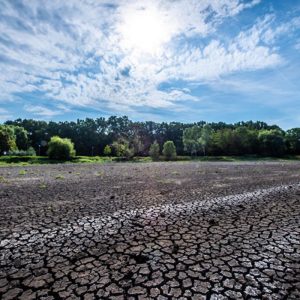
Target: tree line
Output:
[{"x": 119, "y": 135}]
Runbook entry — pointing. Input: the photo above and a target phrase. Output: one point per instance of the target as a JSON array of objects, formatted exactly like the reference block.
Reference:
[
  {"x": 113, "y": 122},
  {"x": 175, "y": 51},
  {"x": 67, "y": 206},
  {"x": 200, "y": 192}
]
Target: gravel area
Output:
[{"x": 189, "y": 230}]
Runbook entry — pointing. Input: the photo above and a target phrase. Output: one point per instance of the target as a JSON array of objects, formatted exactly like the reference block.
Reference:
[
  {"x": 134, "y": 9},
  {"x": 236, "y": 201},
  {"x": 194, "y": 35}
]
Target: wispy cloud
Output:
[
  {"x": 287, "y": 28},
  {"x": 4, "y": 114},
  {"x": 41, "y": 111},
  {"x": 76, "y": 53}
]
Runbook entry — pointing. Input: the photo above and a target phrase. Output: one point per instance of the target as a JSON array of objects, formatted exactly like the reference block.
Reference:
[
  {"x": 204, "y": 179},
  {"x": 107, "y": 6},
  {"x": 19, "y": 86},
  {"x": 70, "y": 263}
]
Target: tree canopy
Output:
[{"x": 90, "y": 136}]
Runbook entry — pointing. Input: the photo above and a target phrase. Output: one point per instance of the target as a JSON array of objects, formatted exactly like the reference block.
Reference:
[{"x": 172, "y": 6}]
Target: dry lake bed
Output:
[{"x": 150, "y": 231}]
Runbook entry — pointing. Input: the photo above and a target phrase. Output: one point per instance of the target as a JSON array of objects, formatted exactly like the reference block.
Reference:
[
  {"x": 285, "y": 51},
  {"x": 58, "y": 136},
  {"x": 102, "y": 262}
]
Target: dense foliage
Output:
[
  {"x": 29, "y": 152},
  {"x": 7, "y": 139},
  {"x": 127, "y": 138},
  {"x": 122, "y": 148},
  {"x": 62, "y": 149},
  {"x": 197, "y": 138}
]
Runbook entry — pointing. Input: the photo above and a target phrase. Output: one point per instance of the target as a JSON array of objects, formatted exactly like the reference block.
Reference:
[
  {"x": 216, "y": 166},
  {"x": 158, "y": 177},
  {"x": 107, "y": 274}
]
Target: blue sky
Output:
[{"x": 160, "y": 60}]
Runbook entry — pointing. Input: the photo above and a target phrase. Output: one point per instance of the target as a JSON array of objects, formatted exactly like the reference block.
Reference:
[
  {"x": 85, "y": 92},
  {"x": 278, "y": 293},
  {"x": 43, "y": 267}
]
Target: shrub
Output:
[
  {"x": 169, "y": 150},
  {"x": 59, "y": 148},
  {"x": 122, "y": 149},
  {"x": 107, "y": 150},
  {"x": 29, "y": 152},
  {"x": 154, "y": 151}
]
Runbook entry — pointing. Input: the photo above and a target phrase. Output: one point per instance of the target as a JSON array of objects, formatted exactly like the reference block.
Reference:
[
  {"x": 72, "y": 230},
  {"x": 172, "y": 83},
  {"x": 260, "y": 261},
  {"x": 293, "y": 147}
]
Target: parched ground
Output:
[{"x": 150, "y": 231}]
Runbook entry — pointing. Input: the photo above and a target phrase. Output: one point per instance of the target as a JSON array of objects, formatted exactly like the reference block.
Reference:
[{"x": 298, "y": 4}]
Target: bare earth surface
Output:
[{"x": 150, "y": 231}]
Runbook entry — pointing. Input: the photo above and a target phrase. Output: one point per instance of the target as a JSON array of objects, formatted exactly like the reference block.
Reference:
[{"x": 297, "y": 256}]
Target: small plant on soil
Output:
[
  {"x": 43, "y": 186},
  {"x": 22, "y": 172},
  {"x": 2, "y": 179},
  {"x": 100, "y": 173},
  {"x": 60, "y": 177}
]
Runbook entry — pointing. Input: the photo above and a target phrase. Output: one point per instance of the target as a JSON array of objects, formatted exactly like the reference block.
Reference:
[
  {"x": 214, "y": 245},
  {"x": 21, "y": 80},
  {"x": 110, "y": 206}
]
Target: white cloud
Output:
[
  {"x": 288, "y": 28},
  {"x": 41, "y": 111},
  {"x": 2, "y": 110},
  {"x": 244, "y": 53},
  {"x": 4, "y": 115},
  {"x": 76, "y": 52}
]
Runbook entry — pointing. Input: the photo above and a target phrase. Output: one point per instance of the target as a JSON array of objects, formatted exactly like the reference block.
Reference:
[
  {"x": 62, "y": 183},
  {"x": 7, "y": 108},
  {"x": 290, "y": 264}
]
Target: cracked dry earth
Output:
[{"x": 150, "y": 231}]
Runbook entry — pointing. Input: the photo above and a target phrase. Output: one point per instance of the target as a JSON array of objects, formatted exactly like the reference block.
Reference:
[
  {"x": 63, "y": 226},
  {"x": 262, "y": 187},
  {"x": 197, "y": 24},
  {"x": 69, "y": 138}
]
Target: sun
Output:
[{"x": 144, "y": 30}]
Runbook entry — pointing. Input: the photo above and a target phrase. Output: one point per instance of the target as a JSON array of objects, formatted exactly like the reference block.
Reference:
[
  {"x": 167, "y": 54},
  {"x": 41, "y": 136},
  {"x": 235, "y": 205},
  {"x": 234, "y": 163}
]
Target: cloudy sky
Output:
[{"x": 161, "y": 60}]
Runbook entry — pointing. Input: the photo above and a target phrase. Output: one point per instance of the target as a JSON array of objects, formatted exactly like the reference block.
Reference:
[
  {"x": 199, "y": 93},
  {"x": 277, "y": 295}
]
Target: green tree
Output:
[
  {"x": 37, "y": 130},
  {"x": 154, "y": 151},
  {"x": 7, "y": 139},
  {"x": 122, "y": 149},
  {"x": 191, "y": 138},
  {"x": 60, "y": 148},
  {"x": 205, "y": 137},
  {"x": 246, "y": 140},
  {"x": 21, "y": 138},
  {"x": 226, "y": 139},
  {"x": 271, "y": 142},
  {"x": 107, "y": 150},
  {"x": 293, "y": 140},
  {"x": 137, "y": 145},
  {"x": 169, "y": 150},
  {"x": 223, "y": 142}
]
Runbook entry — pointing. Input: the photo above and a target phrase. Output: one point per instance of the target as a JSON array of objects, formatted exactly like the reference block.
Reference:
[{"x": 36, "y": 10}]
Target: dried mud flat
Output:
[{"x": 150, "y": 231}]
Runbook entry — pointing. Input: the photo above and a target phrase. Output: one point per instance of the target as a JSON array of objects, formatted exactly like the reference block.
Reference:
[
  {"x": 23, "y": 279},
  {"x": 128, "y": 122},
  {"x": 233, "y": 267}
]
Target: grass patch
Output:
[
  {"x": 59, "y": 177},
  {"x": 91, "y": 159},
  {"x": 238, "y": 158},
  {"x": 39, "y": 160}
]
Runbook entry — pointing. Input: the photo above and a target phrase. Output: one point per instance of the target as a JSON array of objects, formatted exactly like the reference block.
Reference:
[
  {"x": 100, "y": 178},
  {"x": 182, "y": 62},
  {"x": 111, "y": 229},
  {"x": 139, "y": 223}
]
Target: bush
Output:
[
  {"x": 122, "y": 149},
  {"x": 29, "y": 152},
  {"x": 169, "y": 150},
  {"x": 154, "y": 151},
  {"x": 107, "y": 150},
  {"x": 61, "y": 149}
]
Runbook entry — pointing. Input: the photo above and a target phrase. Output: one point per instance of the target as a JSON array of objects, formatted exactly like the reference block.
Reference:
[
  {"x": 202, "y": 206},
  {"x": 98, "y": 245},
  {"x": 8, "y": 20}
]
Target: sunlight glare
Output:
[{"x": 145, "y": 31}]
